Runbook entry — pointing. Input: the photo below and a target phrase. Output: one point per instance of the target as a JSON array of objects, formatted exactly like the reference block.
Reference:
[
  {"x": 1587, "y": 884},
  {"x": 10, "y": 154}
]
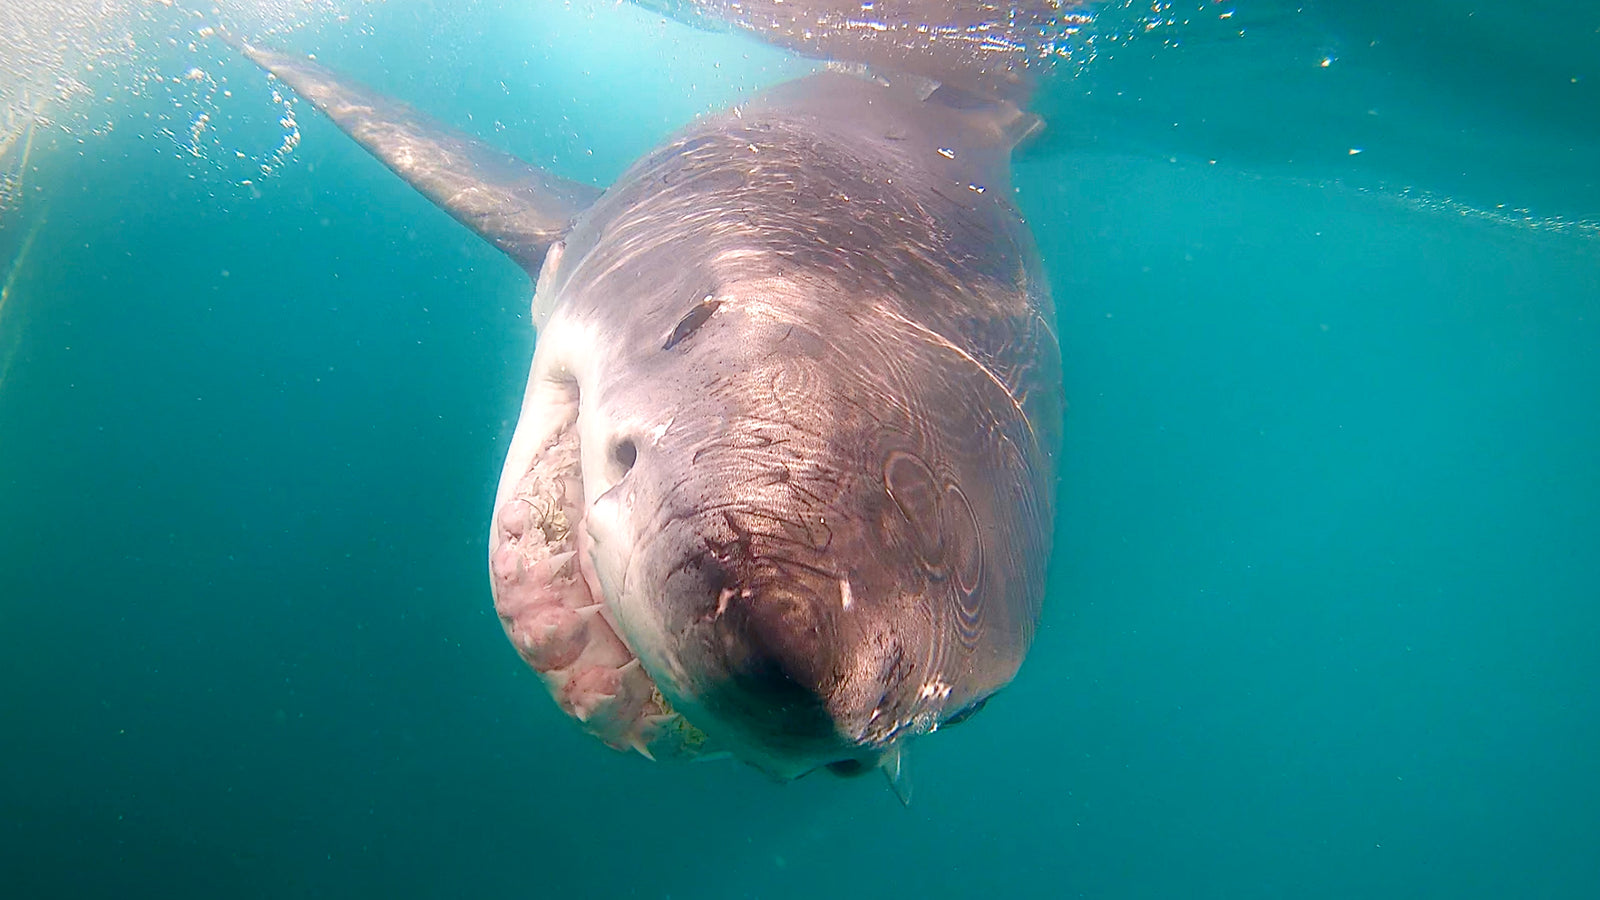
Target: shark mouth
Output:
[{"x": 549, "y": 598}]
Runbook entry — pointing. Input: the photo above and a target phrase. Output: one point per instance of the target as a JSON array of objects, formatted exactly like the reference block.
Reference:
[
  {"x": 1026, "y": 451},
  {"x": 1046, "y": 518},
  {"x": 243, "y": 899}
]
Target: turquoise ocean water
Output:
[{"x": 1324, "y": 618}]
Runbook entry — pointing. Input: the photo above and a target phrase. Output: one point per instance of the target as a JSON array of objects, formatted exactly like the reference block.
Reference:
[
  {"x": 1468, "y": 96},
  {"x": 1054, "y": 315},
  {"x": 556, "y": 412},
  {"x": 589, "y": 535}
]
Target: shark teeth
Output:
[{"x": 552, "y": 609}]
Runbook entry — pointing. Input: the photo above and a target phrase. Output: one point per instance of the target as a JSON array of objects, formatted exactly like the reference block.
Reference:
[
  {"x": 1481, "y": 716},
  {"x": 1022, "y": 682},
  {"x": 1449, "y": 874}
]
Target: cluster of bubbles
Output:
[
  {"x": 1125, "y": 22},
  {"x": 74, "y": 69},
  {"x": 198, "y": 97},
  {"x": 1501, "y": 214},
  {"x": 41, "y": 68},
  {"x": 13, "y": 164}
]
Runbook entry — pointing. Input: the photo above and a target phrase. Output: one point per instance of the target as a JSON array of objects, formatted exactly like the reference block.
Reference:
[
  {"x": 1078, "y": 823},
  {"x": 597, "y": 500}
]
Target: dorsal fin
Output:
[{"x": 517, "y": 207}]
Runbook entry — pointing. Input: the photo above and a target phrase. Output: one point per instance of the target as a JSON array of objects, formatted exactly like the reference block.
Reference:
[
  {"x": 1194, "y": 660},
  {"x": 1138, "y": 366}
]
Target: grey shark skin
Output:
[{"x": 782, "y": 483}]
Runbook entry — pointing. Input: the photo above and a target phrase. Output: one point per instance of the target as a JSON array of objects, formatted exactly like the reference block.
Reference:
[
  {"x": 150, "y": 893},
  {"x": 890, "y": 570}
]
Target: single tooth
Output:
[
  {"x": 589, "y": 691},
  {"x": 559, "y": 561},
  {"x": 635, "y": 685},
  {"x": 544, "y": 571},
  {"x": 589, "y": 612},
  {"x": 651, "y": 727},
  {"x": 556, "y": 680},
  {"x": 609, "y": 705},
  {"x": 661, "y": 720},
  {"x": 525, "y": 587}
]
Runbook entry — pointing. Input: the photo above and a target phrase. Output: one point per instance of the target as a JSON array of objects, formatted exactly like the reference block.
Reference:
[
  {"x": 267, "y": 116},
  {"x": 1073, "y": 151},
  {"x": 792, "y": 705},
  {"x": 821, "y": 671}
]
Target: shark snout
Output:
[{"x": 767, "y": 658}]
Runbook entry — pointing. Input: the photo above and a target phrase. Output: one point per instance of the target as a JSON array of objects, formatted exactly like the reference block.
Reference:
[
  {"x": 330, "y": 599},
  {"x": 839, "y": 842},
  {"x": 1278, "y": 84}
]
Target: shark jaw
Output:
[{"x": 547, "y": 592}]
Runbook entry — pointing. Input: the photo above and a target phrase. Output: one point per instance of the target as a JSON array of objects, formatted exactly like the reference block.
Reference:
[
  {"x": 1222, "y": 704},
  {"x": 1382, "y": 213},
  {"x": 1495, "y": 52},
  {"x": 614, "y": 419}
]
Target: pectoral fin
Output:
[
  {"x": 515, "y": 206},
  {"x": 898, "y": 773}
]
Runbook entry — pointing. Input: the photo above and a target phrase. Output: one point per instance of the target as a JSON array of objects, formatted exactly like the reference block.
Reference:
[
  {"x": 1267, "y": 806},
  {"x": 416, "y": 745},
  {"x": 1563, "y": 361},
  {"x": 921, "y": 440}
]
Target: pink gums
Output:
[{"x": 550, "y": 603}]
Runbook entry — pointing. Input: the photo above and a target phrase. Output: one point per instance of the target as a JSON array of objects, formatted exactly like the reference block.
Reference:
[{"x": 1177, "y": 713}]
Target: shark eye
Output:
[{"x": 691, "y": 321}]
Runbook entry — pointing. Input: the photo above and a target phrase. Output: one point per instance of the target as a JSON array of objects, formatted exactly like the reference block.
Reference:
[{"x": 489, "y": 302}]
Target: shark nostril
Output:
[{"x": 624, "y": 453}]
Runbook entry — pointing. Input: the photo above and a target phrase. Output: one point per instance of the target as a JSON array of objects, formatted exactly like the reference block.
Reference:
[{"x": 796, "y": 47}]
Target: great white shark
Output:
[{"x": 783, "y": 481}]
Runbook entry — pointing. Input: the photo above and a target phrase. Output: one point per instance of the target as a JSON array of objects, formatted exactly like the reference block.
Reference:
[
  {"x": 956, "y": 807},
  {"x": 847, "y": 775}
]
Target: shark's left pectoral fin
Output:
[{"x": 517, "y": 207}]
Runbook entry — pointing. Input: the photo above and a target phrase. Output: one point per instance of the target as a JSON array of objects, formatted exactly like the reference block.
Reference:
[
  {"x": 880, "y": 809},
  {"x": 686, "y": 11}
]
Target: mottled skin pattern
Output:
[{"x": 818, "y": 399}]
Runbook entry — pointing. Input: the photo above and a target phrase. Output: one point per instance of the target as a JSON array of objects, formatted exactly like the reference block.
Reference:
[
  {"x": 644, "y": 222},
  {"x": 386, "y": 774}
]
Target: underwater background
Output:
[{"x": 1324, "y": 614}]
